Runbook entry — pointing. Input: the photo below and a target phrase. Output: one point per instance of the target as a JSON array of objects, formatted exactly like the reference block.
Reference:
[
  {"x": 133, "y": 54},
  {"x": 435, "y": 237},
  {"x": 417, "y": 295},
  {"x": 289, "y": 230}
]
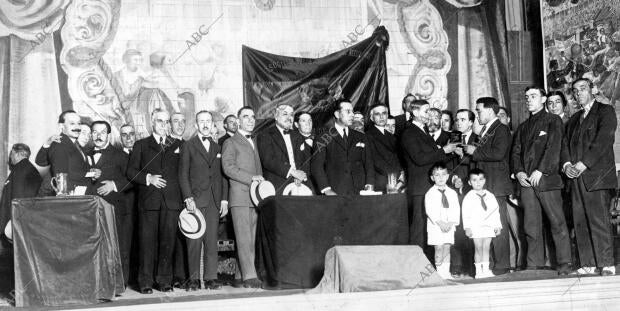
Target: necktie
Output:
[
  {"x": 484, "y": 205},
  {"x": 484, "y": 128},
  {"x": 96, "y": 151},
  {"x": 345, "y": 137},
  {"x": 204, "y": 138},
  {"x": 286, "y": 132},
  {"x": 161, "y": 142},
  {"x": 426, "y": 129},
  {"x": 248, "y": 136},
  {"x": 444, "y": 199}
]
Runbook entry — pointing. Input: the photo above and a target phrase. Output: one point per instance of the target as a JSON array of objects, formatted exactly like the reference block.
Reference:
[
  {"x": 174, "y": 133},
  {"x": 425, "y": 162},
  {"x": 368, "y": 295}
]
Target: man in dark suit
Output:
[
  {"x": 230, "y": 125},
  {"x": 536, "y": 165},
  {"x": 282, "y": 153},
  {"x": 113, "y": 185},
  {"x": 588, "y": 159},
  {"x": 128, "y": 139},
  {"x": 420, "y": 152},
  {"x": 203, "y": 188},
  {"x": 180, "y": 271},
  {"x": 384, "y": 147},
  {"x": 241, "y": 164},
  {"x": 67, "y": 156},
  {"x": 344, "y": 164},
  {"x": 153, "y": 167},
  {"x": 23, "y": 181},
  {"x": 403, "y": 120},
  {"x": 440, "y": 136},
  {"x": 492, "y": 156},
  {"x": 462, "y": 254}
]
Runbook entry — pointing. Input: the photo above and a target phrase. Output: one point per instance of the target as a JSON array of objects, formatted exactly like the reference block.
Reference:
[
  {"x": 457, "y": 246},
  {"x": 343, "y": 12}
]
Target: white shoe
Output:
[
  {"x": 611, "y": 270},
  {"x": 586, "y": 271}
]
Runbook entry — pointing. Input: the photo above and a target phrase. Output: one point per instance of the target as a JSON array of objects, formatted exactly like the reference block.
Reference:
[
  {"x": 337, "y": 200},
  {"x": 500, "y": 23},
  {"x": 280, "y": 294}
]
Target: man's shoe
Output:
[
  {"x": 179, "y": 284},
  {"x": 500, "y": 271},
  {"x": 237, "y": 283},
  {"x": 165, "y": 288},
  {"x": 586, "y": 271},
  {"x": 611, "y": 270},
  {"x": 564, "y": 269},
  {"x": 212, "y": 284},
  {"x": 252, "y": 283},
  {"x": 146, "y": 290},
  {"x": 193, "y": 285}
]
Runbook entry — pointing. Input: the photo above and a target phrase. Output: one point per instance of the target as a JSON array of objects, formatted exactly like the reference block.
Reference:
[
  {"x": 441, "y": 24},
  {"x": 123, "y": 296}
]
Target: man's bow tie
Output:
[
  {"x": 97, "y": 151},
  {"x": 286, "y": 132},
  {"x": 204, "y": 138},
  {"x": 248, "y": 136}
]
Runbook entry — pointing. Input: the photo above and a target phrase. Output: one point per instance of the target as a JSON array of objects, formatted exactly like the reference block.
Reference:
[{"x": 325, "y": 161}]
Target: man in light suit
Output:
[
  {"x": 154, "y": 168},
  {"x": 203, "y": 188},
  {"x": 282, "y": 151},
  {"x": 492, "y": 156},
  {"x": 344, "y": 164},
  {"x": 241, "y": 164},
  {"x": 588, "y": 160},
  {"x": 113, "y": 186},
  {"x": 536, "y": 165}
]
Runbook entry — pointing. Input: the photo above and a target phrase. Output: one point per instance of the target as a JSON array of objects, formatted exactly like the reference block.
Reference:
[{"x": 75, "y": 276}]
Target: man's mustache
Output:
[
  {"x": 76, "y": 130},
  {"x": 99, "y": 140}
]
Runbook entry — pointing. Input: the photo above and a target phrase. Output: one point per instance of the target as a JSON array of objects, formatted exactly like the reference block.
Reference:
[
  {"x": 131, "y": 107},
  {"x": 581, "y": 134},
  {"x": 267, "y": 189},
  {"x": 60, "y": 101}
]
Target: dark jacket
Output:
[
  {"x": 274, "y": 156},
  {"x": 592, "y": 142},
  {"x": 113, "y": 166},
  {"x": 148, "y": 157},
  {"x": 65, "y": 157},
  {"x": 384, "y": 147},
  {"x": 200, "y": 173},
  {"x": 536, "y": 146},
  {"x": 23, "y": 182},
  {"x": 344, "y": 168},
  {"x": 420, "y": 152},
  {"x": 493, "y": 157}
]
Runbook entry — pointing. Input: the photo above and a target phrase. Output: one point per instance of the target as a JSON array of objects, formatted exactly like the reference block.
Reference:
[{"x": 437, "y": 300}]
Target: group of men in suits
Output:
[{"x": 161, "y": 174}]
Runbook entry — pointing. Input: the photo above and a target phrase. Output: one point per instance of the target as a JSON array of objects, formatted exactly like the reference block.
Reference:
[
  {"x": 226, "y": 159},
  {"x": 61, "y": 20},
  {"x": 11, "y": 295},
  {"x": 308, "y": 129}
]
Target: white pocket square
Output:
[
  {"x": 542, "y": 133},
  {"x": 361, "y": 145},
  {"x": 176, "y": 150},
  {"x": 219, "y": 155},
  {"x": 302, "y": 148}
]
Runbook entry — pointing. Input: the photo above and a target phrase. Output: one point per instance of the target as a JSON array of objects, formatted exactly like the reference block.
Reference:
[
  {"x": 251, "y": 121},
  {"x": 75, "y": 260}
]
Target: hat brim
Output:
[
  {"x": 294, "y": 190},
  {"x": 199, "y": 219},
  {"x": 261, "y": 190}
]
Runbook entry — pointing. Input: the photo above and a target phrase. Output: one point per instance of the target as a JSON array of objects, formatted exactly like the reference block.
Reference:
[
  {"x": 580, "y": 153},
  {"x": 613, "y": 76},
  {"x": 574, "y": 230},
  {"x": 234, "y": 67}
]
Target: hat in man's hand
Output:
[
  {"x": 261, "y": 190},
  {"x": 300, "y": 190},
  {"x": 8, "y": 231},
  {"x": 192, "y": 224}
]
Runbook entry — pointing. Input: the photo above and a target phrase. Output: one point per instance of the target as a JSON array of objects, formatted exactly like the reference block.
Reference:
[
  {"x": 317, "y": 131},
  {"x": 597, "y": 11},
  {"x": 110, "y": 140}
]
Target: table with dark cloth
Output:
[
  {"x": 65, "y": 251},
  {"x": 294, "y": 233}
]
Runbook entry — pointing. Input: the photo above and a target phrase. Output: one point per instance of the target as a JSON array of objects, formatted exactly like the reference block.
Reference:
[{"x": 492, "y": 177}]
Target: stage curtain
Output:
[
  {"x": 482, "y": 53},
  {"x": 30, "y": 93}
]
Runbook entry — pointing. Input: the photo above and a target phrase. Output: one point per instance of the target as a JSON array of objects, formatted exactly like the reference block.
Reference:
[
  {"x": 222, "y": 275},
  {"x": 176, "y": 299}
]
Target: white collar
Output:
[
  {"x": 176, "y": 137},
  {"x": 281, "y": 130},
  {"x": 341, "y": 129},
  {"x": 157, "y": 137},
  {"x": 418, "y": 124},
  {"x": 381, "y": 129},
  {"x": 243, "y": 133},
  {"x": 231, "y": 134}
]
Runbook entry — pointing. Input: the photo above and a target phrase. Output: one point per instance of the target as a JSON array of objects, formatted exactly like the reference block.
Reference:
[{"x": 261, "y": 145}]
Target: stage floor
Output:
[{"x": 524, "y": 290}]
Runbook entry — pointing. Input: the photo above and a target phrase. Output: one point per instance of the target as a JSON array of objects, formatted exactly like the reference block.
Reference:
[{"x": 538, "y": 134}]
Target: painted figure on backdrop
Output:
[
  {"x": 130, "y": 79},
  {"x": 159, "y": 91}
]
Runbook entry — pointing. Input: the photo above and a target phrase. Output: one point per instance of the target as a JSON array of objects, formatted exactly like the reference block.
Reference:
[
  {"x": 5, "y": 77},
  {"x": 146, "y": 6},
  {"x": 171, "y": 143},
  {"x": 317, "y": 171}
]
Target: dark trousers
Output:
[
  {"x": 592, "y": 225},
  {"x": 462, "y": 252},
  {"x": 124, "y": 230},
  {"x": 501, "y": 243},
  {"x": 209, "y": 241},
  {"x": 157, "y": 238},
  {"x": 417, "y": 227},
  {"x": 180, "y": 259},
  {"x": 534, "y": 202}
]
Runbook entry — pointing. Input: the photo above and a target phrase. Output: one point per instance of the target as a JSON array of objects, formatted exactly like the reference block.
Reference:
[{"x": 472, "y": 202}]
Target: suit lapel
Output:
[
  {"x": 339, "y": 139},
  {"x": 277, "y": 137},
  {"x": 153, "y": 144},
  {"x": 197, "y": 143}
]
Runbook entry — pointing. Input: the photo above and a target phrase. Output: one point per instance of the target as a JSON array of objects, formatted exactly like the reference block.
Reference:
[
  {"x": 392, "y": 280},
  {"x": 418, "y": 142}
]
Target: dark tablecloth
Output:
[
  {"x": 294, "y": 233},
  {"x": 65, "y": 251}
]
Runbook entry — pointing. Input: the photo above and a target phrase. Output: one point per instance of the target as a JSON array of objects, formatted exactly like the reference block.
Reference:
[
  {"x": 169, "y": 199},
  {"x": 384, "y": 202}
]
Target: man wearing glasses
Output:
[{"x": 153, "y": 167}]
